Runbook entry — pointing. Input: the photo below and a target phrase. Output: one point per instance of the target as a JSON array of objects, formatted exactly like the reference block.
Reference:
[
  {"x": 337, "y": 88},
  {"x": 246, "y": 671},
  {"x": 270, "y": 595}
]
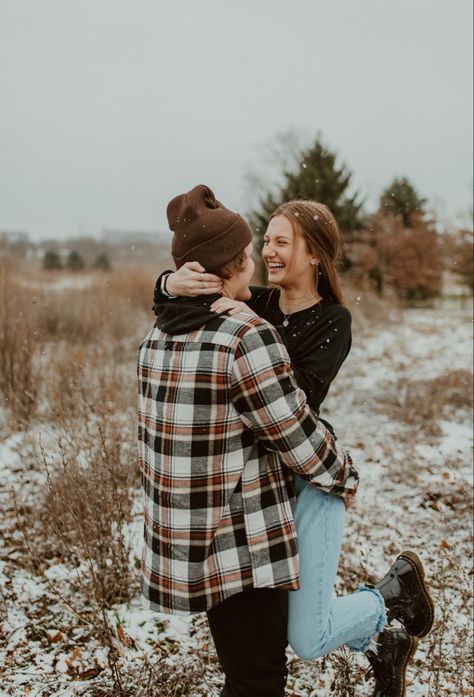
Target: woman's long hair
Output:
[{"x": 315, "y": 224}]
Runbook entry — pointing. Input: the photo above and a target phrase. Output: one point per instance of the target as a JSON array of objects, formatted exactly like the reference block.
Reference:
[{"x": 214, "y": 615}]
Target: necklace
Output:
[{"x": 286, "y": 316}]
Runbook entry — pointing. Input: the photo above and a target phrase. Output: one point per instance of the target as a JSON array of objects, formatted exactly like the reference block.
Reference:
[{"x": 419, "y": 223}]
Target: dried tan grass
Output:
[
  {"x": 17, "y": 371},
  {"x": 65, "y": 349},
  {"x": 84, "y": 380},
  {"x": 367, "y": 308},
  {"x": 424, "y": 402},
  {"x": 107, "y": 309}
]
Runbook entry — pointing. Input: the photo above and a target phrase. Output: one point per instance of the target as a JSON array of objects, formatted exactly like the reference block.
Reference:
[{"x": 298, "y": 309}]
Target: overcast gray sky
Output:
[{"x": 112, "y": 107}]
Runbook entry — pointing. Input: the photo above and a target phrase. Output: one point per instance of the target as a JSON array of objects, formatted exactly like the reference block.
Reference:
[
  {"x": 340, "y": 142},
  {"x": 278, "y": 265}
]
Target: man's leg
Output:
[{"x": 250, "y": 634}]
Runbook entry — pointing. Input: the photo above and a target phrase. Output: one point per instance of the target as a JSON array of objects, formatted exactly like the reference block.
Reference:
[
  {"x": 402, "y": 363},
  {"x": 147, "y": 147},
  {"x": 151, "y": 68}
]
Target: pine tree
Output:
[
  {"x": 318, "y": 177},
  {"x": 403, "y": 201},
  {"x": 102, "y": 262},
  {"x": 75, "y": 261},
  {"x": 51, "y": 260}
]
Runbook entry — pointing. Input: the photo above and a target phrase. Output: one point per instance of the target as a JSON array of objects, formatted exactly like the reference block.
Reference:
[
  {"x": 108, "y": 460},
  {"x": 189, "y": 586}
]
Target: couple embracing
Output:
[{"x": 245, "y": 487}]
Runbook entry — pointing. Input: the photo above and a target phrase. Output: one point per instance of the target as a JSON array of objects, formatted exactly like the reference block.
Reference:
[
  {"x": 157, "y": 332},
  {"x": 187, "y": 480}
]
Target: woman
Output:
[{"x": 300, "y": 251}]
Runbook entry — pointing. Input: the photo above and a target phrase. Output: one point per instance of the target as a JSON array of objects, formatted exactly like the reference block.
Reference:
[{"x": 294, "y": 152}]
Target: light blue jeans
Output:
[{"x": 319, "y": 622}]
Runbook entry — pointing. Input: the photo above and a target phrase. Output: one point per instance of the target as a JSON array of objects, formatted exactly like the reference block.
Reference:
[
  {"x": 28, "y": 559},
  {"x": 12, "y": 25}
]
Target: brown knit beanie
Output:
[{"x": 204, "y": 230}]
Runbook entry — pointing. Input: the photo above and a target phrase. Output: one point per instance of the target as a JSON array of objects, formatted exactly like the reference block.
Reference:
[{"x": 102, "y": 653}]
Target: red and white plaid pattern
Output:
[{"x": 222, "y": 424}]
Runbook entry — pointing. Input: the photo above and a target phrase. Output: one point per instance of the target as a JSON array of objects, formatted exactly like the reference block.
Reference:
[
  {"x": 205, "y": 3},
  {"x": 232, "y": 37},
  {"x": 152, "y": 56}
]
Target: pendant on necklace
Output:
[{"x": 285, "y": 322}]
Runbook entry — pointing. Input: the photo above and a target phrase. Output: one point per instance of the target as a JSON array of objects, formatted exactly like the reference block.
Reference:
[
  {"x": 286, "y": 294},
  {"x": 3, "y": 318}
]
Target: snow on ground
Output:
[
  {"x": 59, "y": 282},
  {"x": 415, "y": 493}
]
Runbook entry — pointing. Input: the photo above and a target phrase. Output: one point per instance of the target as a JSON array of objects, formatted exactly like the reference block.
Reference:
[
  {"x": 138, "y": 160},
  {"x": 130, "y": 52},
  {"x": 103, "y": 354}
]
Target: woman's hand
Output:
[
  {"x": 231, "y": 307},
  {"x": 349, "y": 500},
  {"x": 191, "y": 280}
]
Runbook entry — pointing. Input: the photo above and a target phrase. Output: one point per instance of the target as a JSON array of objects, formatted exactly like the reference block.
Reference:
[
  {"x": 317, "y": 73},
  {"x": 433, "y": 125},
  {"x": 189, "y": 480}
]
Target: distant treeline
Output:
[
  {"x": 85, "y": 252},
  {"x": 74, "y": 261}
]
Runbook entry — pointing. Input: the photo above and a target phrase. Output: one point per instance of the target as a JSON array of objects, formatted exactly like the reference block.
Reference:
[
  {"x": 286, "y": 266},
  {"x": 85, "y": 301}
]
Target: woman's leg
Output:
[{"x": 318, "y": 622}]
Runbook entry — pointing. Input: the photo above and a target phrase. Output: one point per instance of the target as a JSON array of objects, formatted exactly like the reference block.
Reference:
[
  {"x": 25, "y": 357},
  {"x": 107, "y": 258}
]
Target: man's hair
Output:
[{"x": 233, "y": 266}]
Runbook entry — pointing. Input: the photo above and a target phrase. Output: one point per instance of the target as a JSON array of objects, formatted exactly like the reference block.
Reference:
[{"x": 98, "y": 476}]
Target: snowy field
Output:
[{"x": 399, "y": 404}]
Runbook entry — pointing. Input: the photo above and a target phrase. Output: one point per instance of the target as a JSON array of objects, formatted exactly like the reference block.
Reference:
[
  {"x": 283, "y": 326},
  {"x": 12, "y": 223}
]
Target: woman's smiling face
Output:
[{"x": 288, "y": 260}]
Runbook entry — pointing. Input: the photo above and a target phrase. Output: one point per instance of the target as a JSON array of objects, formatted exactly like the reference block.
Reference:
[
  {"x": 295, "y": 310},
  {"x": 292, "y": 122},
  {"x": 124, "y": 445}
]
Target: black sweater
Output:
[{"x": 317, "y": 339}]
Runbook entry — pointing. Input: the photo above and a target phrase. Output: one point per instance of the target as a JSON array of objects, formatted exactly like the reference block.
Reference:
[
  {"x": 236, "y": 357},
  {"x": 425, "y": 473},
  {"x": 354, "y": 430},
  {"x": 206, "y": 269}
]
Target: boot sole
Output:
[
  {"x": 411, "y": 652},
  {"x": 415, "y": 561}
]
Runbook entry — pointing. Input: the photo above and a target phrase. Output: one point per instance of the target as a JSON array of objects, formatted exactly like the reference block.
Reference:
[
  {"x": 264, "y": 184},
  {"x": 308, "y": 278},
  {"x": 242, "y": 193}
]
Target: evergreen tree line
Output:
[
  {"x": 74, "y": 261},
  {"x": 398, "y": 246}
]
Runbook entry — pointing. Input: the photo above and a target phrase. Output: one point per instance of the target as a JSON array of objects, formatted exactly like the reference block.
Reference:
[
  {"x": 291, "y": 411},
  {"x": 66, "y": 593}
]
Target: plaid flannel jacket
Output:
[{"x": 222, "y": 424}]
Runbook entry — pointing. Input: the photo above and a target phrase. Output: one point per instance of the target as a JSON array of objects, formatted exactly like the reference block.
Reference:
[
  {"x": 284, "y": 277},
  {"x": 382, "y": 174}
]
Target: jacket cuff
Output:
[{"x": 159, "y": 298}]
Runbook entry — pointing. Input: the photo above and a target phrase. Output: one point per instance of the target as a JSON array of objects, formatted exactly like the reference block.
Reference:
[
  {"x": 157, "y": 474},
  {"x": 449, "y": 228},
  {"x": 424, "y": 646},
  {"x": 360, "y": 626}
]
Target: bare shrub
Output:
[
  {"x": 87, "y": 505},
  {"x": 424, "y": 402},
  {"x": 91, "y": 484},
  {"x": 166, "y": 677},
  {"x": 69, "y": 383},
  {"x": 17, "y": 373},
  {"x": 347, "y": 674},
  {"x": 448, "y": 652}
]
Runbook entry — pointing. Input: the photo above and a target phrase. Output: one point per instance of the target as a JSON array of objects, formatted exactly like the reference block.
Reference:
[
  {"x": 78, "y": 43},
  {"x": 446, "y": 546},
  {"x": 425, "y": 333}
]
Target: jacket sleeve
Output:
[
  {"x": 159, "y": 298},
  {"x": 271, "y": 404}
]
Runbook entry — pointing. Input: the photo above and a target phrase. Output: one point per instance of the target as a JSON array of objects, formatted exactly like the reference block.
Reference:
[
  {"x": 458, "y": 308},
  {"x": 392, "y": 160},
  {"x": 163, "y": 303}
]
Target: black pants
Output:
[{"x": 250, "y": 633}]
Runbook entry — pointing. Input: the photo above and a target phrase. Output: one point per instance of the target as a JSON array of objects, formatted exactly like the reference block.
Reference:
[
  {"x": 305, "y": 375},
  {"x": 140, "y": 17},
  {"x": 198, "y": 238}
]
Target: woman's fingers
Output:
[
  {"x": 207, "y": 284},
  {"x": 208, "y": 280},
  {"x": 205, "y": 289},
  {"x": 232, "y": 307},
  {"x": 349, "y": 500},
  {"x": 224, "y": 305},
  {"x": 198, "y": 273},
  {"x": 181, "y": 281},
  {"x": 191, "y": 279},
  {"x": 243, "y": 307},
  {"x": 204, "y": 283},
  {"x": 193, "y": 266}
]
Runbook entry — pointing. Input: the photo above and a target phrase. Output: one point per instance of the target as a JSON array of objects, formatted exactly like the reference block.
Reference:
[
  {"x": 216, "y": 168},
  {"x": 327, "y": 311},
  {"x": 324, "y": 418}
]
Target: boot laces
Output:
[{"x": 377, "y": 668}]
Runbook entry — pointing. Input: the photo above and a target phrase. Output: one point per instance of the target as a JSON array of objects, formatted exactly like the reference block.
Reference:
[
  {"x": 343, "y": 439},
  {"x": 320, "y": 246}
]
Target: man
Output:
[{"x": 222, "y": 424}]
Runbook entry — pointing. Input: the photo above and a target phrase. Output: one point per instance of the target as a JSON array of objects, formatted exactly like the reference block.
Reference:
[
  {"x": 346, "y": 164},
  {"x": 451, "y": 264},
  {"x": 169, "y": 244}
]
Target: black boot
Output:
[
  {"x": 406, "y": 596},
  {"x": 395, "y": 649}
]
